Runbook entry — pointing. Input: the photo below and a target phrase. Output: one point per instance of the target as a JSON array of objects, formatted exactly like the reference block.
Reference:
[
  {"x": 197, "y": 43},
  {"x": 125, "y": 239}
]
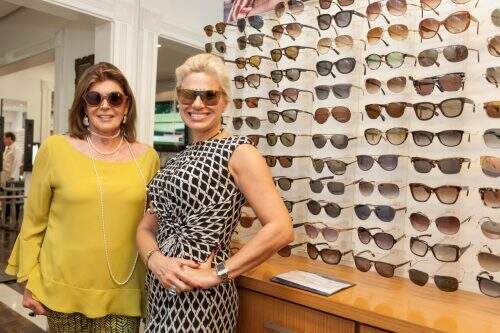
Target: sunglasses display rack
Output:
[{"x": 386, "y": 140}]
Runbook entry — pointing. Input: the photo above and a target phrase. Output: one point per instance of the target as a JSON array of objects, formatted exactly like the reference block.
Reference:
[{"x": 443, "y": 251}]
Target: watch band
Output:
[{"x": 222, "y": 272}]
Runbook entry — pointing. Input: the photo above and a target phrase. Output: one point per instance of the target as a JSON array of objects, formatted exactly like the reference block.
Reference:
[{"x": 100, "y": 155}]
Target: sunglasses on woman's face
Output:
[
  {"x": 442, "y": 252},
  {"x": 446, "y": 194},
  {"x": 341, "y": 42},
  {"x": 442, "y": 282},
  {"x": 332, "y": 209},
  {"x": 387, "y": 162},
  {"x": 313, "y": 230},
  {"x": 339, "y": 113},
  {"x": 488, "y": 285},
  {"x": 395, "y": 136},
  {"x": 397, "y": 32},
  {"x": 448, "y": 225},
  {"x": 220, "y": 46},
  {"x": 394, "y": 7},
  {"x": 208, "y": 97},
  {"x": 284, "y": 161},
  {"x": 291, "y": 52},
  {"x": 393, "y": 60},
  {"x": 337, "y": 167},
  {"x": 343, "y": 66},
  {"x": 251, "y": 102},
  {"x": 114, "y": 99},
  {"x": 292, "y": 74},
  {"x": 490, "y": 197},
  {"x": 490, "y": 166},
  {"x": 488, "y": 260},
  {"x": 450, "y": 108},
  {"x": 294, "y": 7},
  {"x": 455, "y": 23},
  {"x": 382, "y": 212},
  {"x": 396, "y": 85},
  {"x": 452, "y": 53},
  {"x": 383, "y": 268},
  {"x": 220, "y": 28},
  {"x": 342, "y": 19},
  {"x": 293, "y": 30},
  {"x": 340, "y": 91},
  {"x": 446, "y": 82},
  {"x": 449, "y": 138},
  {"x": 387, "y": 190},
  {"x": 290, "y": 95},
  {"x": 288, "y": 116},
  {"x": 255, "y": 40},
  {"x": 339, "y": 141},
  {"x": 250, "y": 121},
  {"x": 493, "y": 75},
  {"x": 253, "y": 80},
  {"x": 448, "y": 166},
  {"x": 394, "y": 109},
  {"x": 489, "y": 228},
  {"x": 382, "y": 239}
]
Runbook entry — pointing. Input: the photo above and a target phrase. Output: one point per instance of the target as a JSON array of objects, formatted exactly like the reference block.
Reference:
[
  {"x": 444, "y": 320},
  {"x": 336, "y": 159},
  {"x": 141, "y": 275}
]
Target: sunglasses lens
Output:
[
  {"x": 318, "y": 165},
  {"x": 186, "y": 96},
  {"x": 241, "y": 24},
  {"x": 455, "y": 53},
  {"x": 398, "y": 31},
  {"x": 325, "y": 4},
  {"x": 418, "y": 247},
  {"x": 208, "y": 47},
  {"x": 292, "y": 52},
  {"x": 277, "y": 31},
  {"x": 494, "y": 46},
  {"x": 253, "y": 122},
  {"x": 330, "y": 256},
  {"x": 341, "y": 114},
  {"x": 319, "y": 140},
  {"x": 332, "y": 210},
  {"x": 427, "y": 58},
  {"x": 491, "y": 197},
  {"x": 424, "y": 87},
  {"x": 312, "y": 251},
  {"x": 396, "y": 7},
  {"x": 384, "y": 240},
  {"x": 373, "y": 61},
  {"x": 422, "y": 138},
  {"x": 447, "y": 194},
  {"x": 255, "y": 61},
  {"x": 395, "y": 59},
  {"x": 290, "y": 94},
  {"x": 279, "y": 9},
  {"x": 489, "y": 287},
  {"x": 314, "y": 207},
  {"x": 450, "y": 166},
  {"x": 293, "y": 74},
  {"x": 422, "y": 165},
  {"x": 363, "y": 212},
  {"x": 396, "y": 109},
  {"x": 285, "y": 161},
  {"x": 424, "y": 110},
  {"x": 336, "y": 167},
  {"x": 311, "y": 231},
  {"x": 374, "y": 35},
  {"x": 294, "y": 29},
  {"x": 365, "y": 188},
  {"x": 450, "y": 82},
  {"x": 342, "y": 91},
  {"x": 491, "y": 229},
  {"x": 445, "y": 253},
  {"x": 457, "y": 23},
  {"x": 276, "y": 55},
  {"x": 289, "y": 116},
  {"x": 362, "y": 264},
  {"x": 322, "y": 92},
  {"x": 397, "y": 84},
  {"x": 453, "y": 107},
  {"x": 490, "y": 165},
  {"x": 295, "y": 6},
  {"x": 324, "y": 45},
  {"x": 93, "y": 98},
  {"x": 276, "y": 75},
  {"x": 385, "y": 213},
  {"x": 115, "y": 99},
  {"x": 343, "y": 18},
  {"x": 373, "y": 11},
  {"x": 270, "y": 160},
  {"x": 321, "y": 115},
  {"x": 418, "y": 277},
  {"x": 256, "y": 21},
  {"x": 419, "y": 221},
  {"x": 274, "y": 96},
  {"x": 324, "y": 21},
  {"x": 388, "y": 190},
  {"x": 256, "y": 40},
  {"x": 450, "y": 138},
  {"x": 344, "y": 3},
  {"x": 495, "y": 17},
  {"x": 364, "y": 235},
  {"x": 285, "y": 252},
  {"x": 388, "y": 162},
  {"x": 237, "y": 123},
  {"x": 239, "y": 82},
  {"x": 492, "y": 109},
  {"x": 430, "y": 4},
  {"x": 330, "y": 234},
  {"x": 493, "y": 75},
  {"x": 491, "y": 138},
  {"x": 448, "y": 225},
  {"x": 220, "y": 27},
  {"x": 344, "y": 42},
  {"x": 316, "y": 186},
  {"x": 339, "y": 141},
  {"x": 238, "y": 103},
  {"x": 240, "y": 62},
  {"x": 272, "y": 139},
  {"x": 428, "y": 28},
  {"x": 384, "y": 269},
  {"x": 372, "y": 87},
  {"x": 489, "y": 261},
  {"x": 365, "y": 162},
  {"x": 446, "y": 283},
  {"x": 209, "y": 30},
  {"x": 420, "y": 192},
  {"x": 345, "y": 65},
  {"x": 336, "y": 188},
  {"x": 373, "y": 136},
  {"x": 324, "y": 67}
]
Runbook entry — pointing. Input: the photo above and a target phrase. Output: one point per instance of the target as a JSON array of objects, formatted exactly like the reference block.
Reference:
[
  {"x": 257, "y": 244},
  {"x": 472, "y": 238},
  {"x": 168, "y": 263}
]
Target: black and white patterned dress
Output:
[{"x": 198, "y": 207}]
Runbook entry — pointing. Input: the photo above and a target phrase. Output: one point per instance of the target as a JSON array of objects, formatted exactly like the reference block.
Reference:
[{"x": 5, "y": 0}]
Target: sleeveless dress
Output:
[{"x": 198, "y": 207}]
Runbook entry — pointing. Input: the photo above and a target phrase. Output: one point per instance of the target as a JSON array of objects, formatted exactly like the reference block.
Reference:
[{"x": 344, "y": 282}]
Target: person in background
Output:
[
  {"x": 76, "y": 252},
  {"x": 196, "y": 201},
  {"x": 9, "y": 158}
]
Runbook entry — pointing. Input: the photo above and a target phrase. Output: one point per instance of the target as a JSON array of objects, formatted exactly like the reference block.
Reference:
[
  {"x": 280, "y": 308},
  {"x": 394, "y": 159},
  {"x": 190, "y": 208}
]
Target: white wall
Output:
[{"x": 26, "y": 86}]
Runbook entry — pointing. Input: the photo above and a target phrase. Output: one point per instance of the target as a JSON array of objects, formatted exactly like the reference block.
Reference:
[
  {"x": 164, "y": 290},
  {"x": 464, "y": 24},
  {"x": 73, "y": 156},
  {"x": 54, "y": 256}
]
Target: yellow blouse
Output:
[{"x": 60, "y": 249}]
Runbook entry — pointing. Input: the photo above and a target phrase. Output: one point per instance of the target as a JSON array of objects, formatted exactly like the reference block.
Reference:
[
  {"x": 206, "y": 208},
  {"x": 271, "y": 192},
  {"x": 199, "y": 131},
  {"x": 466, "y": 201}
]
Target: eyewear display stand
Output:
[{"x": 374, "y": 305}]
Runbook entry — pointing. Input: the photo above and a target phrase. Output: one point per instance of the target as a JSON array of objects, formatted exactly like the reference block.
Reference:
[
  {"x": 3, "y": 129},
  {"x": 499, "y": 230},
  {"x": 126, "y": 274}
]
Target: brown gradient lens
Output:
[
  {"x": 492, "y": 109},
  {"x": 344, "y": 41},
  {"x": 388, "y": 190},
  {"x": 292, "y": 52},
  {"x": 277, "y": 31},
  {"x": 362, "y": 264},
  {"x": 457, "y": 22},
  {"x": 344, "y": 3},
  {"x": 495, "y": 17},
  {"x": 430, "y": 4},
  {"x": 290, "y": 94},
  {"x": 209, "y": 30},
  {"x": 240, "y": 62},
  {"x": 397, "y": 84},
  {"x": 448, "y": 225},
  {"x": 372, "y": 86},
  {"x": 428, "y": 28},
  {"x": 489, "y": 261},
  {"x": 385, "y": 269},
  {"x": 398, "y": 31},
  {"x": 324, "y": 45},
  {"x": 373, "y": 111},
  {"x": 373, "y": 10},
  {"x": 374, "y": 35},
  {"x": 427, "y": 58},
  {"x": 490, "y": 197},
  {"x": 339, "y": 113},
  {"x": 490, "y": 165},
  {"x": 252, "y": 102},
  {"x": 279, "y": 9},
  {"x": 365, "y": 188},
  {"x": 295, "y": 6},
  {"x": 419, "y": 221},
  {"x": 294, "y": 29},
  {"x": 286, "y": 251},
  {"x": 276, "y": 55},
  {"x": 238, "y": 103},
  {"x": 396, "y": 7},
  {"x": 220, "y": 27},
  {"x": 447, "y": 194},
  {"x": 451, "y": 82},
  {"x": 494, "y": 46}
]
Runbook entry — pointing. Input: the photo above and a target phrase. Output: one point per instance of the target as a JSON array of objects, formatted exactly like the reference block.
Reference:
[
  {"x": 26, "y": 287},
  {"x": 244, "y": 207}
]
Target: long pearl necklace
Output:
[
  {"x": 105, "y": 153},
  {"x": 101, "y": 202}
]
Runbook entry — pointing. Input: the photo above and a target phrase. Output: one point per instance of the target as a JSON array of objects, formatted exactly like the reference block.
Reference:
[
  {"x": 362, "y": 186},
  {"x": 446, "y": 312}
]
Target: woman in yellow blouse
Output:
[{"x": 76, "y": 249}]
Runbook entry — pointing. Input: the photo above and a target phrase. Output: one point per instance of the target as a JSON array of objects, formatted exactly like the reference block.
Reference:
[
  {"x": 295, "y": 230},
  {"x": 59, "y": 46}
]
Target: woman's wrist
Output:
[{"x": 148, "y": 256}]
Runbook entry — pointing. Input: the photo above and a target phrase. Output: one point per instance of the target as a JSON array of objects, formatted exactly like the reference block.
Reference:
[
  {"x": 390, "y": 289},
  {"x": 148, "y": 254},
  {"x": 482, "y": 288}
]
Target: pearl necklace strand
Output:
[
  {"x": 106, "y": 153},
  {"x": 101, "y": 202},
  {"x": 105, "y": 136}
]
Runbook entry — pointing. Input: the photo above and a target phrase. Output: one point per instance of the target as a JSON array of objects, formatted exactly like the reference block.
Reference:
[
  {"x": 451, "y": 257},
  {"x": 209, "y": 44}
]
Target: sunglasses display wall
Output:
[{"x": 380, "y": 121}]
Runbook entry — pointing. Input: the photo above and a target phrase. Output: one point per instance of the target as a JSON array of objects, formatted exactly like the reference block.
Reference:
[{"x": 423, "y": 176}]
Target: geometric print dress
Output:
[{"x": 198, "y": 207}]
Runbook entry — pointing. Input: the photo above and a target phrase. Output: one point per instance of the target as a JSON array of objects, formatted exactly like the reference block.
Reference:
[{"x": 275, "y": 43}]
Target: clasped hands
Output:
[{"x": 183, "y": 274}]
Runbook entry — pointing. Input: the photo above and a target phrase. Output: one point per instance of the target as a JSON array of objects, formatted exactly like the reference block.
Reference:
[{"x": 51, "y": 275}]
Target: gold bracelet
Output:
[{"x": 148, "y": 255}]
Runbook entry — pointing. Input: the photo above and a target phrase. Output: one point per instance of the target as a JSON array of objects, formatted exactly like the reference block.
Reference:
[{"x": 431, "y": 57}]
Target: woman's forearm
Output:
[
  {"x": 146, "y": 236},
  {"x": 263, "y": 245}
]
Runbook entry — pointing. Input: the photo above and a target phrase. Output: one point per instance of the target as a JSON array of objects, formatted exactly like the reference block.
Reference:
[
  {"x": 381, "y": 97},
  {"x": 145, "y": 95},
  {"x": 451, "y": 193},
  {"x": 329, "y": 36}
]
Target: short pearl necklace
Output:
[
  {"x": 105, "y": 136},
  {"x": 101, "y": 202},
  {"x": 105, "y": 153}
]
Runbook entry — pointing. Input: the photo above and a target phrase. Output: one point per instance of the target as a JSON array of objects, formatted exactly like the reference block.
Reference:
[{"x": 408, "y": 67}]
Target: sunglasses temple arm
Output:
[
  {"x": 297, "y": 225},
  {"x": 463, "y": 249},
  {"x": 401, "y": 265},
  {"x": 365, "y": 251},
  {"x": 347, "y": 252},
  {"x": 364, "y": 69}
]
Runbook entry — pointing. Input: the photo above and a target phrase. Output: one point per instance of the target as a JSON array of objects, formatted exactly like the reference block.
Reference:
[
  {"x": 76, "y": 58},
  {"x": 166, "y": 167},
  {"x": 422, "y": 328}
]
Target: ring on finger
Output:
[{"x": 172, "y": 290}]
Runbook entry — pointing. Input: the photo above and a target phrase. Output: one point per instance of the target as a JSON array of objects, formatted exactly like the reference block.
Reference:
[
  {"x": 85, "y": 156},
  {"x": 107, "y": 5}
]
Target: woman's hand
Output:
[
  {"x": 169, "y": 271},
  {"x": 30, "y": 303},
  {"x": 203, "y": 277}
]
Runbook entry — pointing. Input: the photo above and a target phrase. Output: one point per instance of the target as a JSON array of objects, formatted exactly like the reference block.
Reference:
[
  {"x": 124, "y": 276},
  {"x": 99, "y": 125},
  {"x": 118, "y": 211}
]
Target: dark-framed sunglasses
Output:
[
  {"x": 291, "y": 52},
  {"x": 253, "y": 80},
  {"x": 328, "y": 255},
  {"x": 455, "y": 23},
  {"x": 383, "y": 212},
  {"x": 340, "y": 91},
  {"x": 255, "y": 21},
  {"x": 383, "y": 268},
  {"x": 332, "y": 209},
  {"x": 488, "y": 285},
  {"x": 254, "y": 61},
  {"x": 490, "y": 196},
  {"x": 342, "y": 19},
  {"x": 285, "y": 161},
  {"x": 448, "y": 138},
  {"x": 339, "y": 141},
  {"x": 442, "y": 252},
  {"x": 341, "y": 114},
  {"x": 290, "y": 95},
  {"x": 288, "y": 116},
  {"x": 449, "y": 225},
  {"x": 383, "y": 240},
  {"x": 115, "y": 98},
  {"x": 395, "y": 85},
  {"x": 452, "y": 53},
  {"x": 255, "y": 40},
  {"x": 293, "y": 30},
  {"x": 220, "y": 28},
  {"x": 387, "y": 190},
  {"x": 313, "y": 229},
  {"x": 250, "y": 121},
  {"x": 292, "y": 74},
  {"x": 343, "y": 66},
  {"x": 446, "y": 82},
  {"x": 220, "y": 46},
  {"x": 446, "y": 194},
  {"x": 286, "y": 139},
  {"x": 395, "y": 136},
  {"x": 208, "y": 97},
  {"x": 251, "y": 102},
  {"x": 442, "y": 282},
  {"x": 450, "y": 108},
  {"x": 388, "y": 162},
  {"x": 337, "y": 167},
  {"x": 393, "y": 59},
  {"x": 393, "y": 109},
  {"x": 448, "y": 166},
  {"x": 316, "y": 185}
]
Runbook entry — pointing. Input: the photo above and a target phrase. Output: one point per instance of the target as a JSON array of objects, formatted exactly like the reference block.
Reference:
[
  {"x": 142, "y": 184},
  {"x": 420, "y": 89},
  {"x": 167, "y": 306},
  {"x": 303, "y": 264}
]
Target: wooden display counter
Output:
[{"x": 374, "y": 305}]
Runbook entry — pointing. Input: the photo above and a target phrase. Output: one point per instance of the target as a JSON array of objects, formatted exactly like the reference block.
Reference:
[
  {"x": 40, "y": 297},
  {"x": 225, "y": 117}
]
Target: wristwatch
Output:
[{"x": 222, "y": 272}]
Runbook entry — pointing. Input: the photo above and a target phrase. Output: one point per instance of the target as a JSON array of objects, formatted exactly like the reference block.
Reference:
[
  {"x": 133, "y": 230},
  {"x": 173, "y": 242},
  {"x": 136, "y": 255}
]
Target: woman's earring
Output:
[
  {"x": 85, "y": 121},
  {"x": 124, "y": 119}
]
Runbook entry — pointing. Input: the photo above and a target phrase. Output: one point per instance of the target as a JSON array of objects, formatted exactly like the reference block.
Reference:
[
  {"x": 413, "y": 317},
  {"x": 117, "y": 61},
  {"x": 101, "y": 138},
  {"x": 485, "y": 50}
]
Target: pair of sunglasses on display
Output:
[
  {"x": 340, "y": 91},
  {"x": 290, "y": 95},
  {"x": 220, "y": 28},
  {"x": 383, "y": 268},
  {"x": 448, "y": 166},
  {"x": 328, "y": 255},
  {"x": 255, "y": 40},
  {"x": 365, "y": 162},
  {"x": 395, "y": 136},
  {"x": 455, "y": 23},
  {"x": 114, "y": 98},
  {"x": 254, "y": 61},
  {"x": 490, "y": 166},
  {"x": 254, "y": 21},
  {"x": 490, "y": 196},
  {"x": 394, "y": 7},
  {"x": 313, "y": 229},
  {"x": 290, "y": 7},
  {"x": 397, "y": 32},
  {"x": 394, "y": 59},
  {"x": 316, "y": 185},
  {"x": 446, "y": 82},
  {"x": 446, "y": 194},
  {"x": 291, "y": 52},
  {"x": 387, "y": 190},
  {"x": 396, "y": 85},
  {"x": 332, "y": 209},
  {"x": 253, "y": 80},
  {"x": 488, "y": 260},
  {"x": 342, "y": 42},
  {"x": 383, "y": 212},
  {"x": 442, "y": 282},
  {"x": 292, "y": 74},
  {"x": 383, "y": 240},
  {"x": 342, "y": 19},
  {"x": 343, "y": 66},
  {"x": 452, "y": 53},
  {"x": 292, "y": 30},
  {"x": 449, "y": 225},
  {"x": 442, "y": 252}
]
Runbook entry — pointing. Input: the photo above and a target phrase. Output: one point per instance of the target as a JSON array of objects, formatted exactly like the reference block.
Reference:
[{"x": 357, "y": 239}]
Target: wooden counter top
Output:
[{"x": 394, "y": 304}]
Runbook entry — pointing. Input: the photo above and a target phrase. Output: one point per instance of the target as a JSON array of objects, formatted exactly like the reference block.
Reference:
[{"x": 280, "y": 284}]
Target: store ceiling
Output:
[{"x": 6, "y": 8}]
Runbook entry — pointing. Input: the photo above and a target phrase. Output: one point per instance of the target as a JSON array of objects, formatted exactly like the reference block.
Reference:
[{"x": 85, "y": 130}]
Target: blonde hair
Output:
[{"x": 205, "y": 63}]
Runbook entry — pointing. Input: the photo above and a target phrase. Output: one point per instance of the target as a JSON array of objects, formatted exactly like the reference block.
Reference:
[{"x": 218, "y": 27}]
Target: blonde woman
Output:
[
  {"x": 76, "y": 250},
  {"x": 196, "y": 202}
]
